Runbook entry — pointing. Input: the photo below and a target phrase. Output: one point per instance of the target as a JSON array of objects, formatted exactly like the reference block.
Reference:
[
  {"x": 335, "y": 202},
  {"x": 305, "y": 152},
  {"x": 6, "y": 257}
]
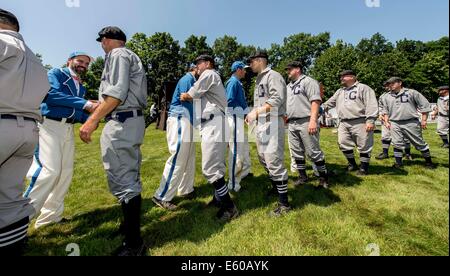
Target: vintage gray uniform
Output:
[
  {"x": 386, "y": 137},
  {"x": 300, "y": 95},
  {"x": 124, "y": 79},
  {"x": 270, "y": 129},
  {"x": 23, "y": 86},
  {"x": 356, "y": 106},
  {"x": 210, "y": 103},
  {"x": 403, "y": 111},
  {"x": 442, "y": 116}
]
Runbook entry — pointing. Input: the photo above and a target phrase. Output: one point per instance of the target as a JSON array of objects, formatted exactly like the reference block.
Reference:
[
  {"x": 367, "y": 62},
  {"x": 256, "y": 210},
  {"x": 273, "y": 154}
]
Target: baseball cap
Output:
[
  {"x": 259, "y": 54},
  {"x": 445, "y": 87},
  {"x": 10, "y": 17},
  {"x": 238, "y": 65},
  {"x": 204, "y": 58},
  {"x": 112, "y": 33},
  {"x": 347, "y": 73},
  {"x": 77, "y": 54},
  {"x": 394, "y": 80},
  {"x": 294, "y": 64}
]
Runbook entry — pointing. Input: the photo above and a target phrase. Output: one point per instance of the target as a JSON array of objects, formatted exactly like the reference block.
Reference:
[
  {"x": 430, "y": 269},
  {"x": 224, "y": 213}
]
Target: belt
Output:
[
  {"x": 122, "y": 117},
  {"x": 443, "y": 115},
  {"x": 66, "y": 120},
  {"x": 14, "y": 117}
]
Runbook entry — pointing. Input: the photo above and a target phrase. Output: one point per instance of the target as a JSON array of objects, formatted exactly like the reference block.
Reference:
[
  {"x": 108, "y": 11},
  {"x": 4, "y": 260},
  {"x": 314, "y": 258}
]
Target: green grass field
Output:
[{"x": 402, "y": 212}]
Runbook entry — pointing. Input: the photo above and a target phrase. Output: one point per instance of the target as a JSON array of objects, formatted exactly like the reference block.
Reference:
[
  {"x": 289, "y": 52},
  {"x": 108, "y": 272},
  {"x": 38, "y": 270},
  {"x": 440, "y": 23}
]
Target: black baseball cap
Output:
[
  {"x": 394, "y": 80},
  {"x": 295, "y": 64},
  {"x": 10, "y": 18},
  {"x": 204, "y": 58},
  {"x": 347, "y": 73},
  {"x": 112, "y": 33},
  {"x": 259, "y": 54}
]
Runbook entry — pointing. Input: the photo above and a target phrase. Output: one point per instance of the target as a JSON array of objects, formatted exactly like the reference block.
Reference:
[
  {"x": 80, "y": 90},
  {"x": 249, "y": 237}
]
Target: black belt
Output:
[
  {"x": 68, "y": 120},
  {"x": 442, "y": 115},
  {"x": 14, "y": 117},
  {"x": 123, "y": 116}
]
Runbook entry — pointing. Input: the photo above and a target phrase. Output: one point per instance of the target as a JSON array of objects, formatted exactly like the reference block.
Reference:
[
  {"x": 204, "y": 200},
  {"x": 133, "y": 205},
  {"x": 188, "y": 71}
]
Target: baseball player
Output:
[
  {"x": 401, "y": 117},
  {"x": 441, "y": 114},
  {"x": 52, "y": 169},
  {"x": 357, "y": 109},
  {"x": 303, "y": 104},
  {"x": 239, "y": 158},
  {"x": 209, "y": 97},
  {"x": 386, "y": 139},
  {"x": 179, "y": 172},
  {"x": 23, "y": 86},
  {"x": 270, "y": 109},
  {"x": 123, "y": 97}
]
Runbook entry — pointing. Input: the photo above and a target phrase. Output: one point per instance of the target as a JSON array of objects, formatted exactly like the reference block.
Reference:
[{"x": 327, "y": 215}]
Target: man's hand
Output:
[
  {"x": 185, "y": 97},
  {"x": 370, "y": 127},
  {"x": 424, "y": 124},
  {"x": 312, "y": 129},
  {"x": 388, "y": 125},
  {"x": 252, "y": 116},
  {"x": 87, "y": 129}
]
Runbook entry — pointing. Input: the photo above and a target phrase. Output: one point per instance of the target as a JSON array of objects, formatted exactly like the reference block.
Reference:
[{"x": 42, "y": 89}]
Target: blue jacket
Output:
[
  {"x": 62, "y": 101},
  {"x": 236, "y": 94},
  {"x": 177, "y": 107}
]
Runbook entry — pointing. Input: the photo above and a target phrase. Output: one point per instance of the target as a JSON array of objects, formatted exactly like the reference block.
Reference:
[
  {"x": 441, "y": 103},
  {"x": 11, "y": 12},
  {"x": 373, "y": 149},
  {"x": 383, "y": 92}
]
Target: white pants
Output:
[
  {"x": 52, "y": 171},
  {"x": 179, "y": 172},
  {"x": 239, "y": 163}
]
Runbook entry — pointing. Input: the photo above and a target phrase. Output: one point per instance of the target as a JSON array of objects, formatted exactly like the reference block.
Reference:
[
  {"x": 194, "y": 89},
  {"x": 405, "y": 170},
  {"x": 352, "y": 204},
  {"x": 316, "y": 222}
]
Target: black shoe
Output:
[
  {"x": 397, "y": 166},
  {"x": 362, "y": 173},
  {"x": 281, "y": 210},
  {"x": 430, "y": 166},
  {"x": 165, "y": 204},
  {"x": 382, "y": 156},
  {"x": 214, "y": 203},
  {"x": 190, "y": 196},
  {"x": 445, "y": 146},
  {"x": 323, "y": 182},
  {"x": 352, "y": 168},
  {"x": 302, "y": 180},
  {"x": 127, "y": 251},
  {"x": 228, "y": 214}
]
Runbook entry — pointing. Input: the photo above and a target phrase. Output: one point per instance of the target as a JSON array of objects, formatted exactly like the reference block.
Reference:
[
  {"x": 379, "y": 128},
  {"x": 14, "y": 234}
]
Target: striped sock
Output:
[
  {"x": 444, "y": 139},
  {"x": 386, "y": 146},
  {"x": 427, "y": 155},
  {"x": 222, "y": 193},
  {"x": 350, "y": 155},
  {"x": 282, "y": 188},
  {"x": 12, "y": 238},
  {"x": 301, "y": 167},
  {"x": 322, "y": 168},
  {"x": 408, "y": 148},
  {"x": 398, "y": 154}
]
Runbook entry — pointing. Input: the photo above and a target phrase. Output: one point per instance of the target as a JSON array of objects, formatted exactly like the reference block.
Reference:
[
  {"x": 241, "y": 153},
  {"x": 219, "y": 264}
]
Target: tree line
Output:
[{"x": 423, "y": 65}]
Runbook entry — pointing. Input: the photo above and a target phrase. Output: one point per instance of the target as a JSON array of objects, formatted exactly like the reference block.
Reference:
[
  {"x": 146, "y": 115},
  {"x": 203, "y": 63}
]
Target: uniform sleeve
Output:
[
  {"x": 184, "y": 86},
  {"x": 2, "y": 50},
  {"x": 232, "y": 92},
  {"x": 277, "y": 91},
  {"x": 331, "y": 103},
  {"x": 56, "y": 97},
  {"x": 382, "y": 106},
  {"x": 423, "y": 105},
  {"x": 202, "y": 86},
  {"x": 241, "y": 98},
  {"x": 371, "y": 104},
  {"x": 313, "y": 91},
  {"x": 119, "y": 79}
]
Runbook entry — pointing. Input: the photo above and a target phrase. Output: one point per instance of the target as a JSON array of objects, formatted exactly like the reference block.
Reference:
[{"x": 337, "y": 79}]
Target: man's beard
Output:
[{"x": 79, "y": 70}]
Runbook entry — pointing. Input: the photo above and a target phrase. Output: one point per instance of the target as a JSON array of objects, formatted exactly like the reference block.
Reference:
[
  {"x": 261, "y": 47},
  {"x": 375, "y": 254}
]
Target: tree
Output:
[
  {"x": 194, "y": 47},
  {"x": 47, "y": 66},
  {"x": 331, "y": 62},
  {"x": 92, "y": 78},
  {"x": 303, "y": 47},
  {"x": 377, "y": 45}
]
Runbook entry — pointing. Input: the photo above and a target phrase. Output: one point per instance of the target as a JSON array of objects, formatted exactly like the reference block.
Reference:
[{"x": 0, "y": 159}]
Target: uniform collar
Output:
[
  {"x": 401, "y": 92},
  {"x": 302, "y": 77},
  {"x": 12, "y": 33},
  {"x": 351, "y": 87},
  {"x": 233, "y": 77},
  {"x": 265, "y": 71}
]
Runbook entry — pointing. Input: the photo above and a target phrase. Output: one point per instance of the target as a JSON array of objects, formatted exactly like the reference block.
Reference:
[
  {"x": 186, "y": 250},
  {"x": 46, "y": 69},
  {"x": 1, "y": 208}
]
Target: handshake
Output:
[{"x": 91, "y": 106}]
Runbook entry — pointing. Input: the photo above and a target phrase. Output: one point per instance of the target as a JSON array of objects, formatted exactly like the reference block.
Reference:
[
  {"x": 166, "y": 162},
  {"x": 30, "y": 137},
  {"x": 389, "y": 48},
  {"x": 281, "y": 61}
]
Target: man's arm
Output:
[
  {"x": 106, "y": 107},
  {"x": 202, "y": 86}
]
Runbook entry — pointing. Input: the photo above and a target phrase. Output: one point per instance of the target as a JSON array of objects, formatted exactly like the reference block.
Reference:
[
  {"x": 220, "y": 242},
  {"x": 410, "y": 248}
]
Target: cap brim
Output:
[{"x": 99, "y": 39}]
